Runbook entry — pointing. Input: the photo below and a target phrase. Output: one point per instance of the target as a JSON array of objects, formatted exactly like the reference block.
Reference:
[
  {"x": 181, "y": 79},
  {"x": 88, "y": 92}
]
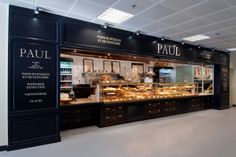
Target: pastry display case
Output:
[{"x": 119, "y": 92}]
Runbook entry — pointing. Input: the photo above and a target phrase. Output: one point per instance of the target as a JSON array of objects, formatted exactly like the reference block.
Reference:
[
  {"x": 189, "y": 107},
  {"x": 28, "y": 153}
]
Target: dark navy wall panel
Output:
[
  {"x": 38, "y": 126},
  {"x": 33, "y": 102},
  {"x": 79, "y": 34},
  {"x": 30, "y": 26},
  {"x": 23, "y": 51},
  {"x": 25, "y": 24}
]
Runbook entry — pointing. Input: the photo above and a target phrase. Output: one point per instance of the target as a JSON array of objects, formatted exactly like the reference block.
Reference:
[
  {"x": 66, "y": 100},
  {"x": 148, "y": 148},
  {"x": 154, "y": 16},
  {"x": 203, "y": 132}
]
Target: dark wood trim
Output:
[
  {"x": 47, "y": 140},
  {"x": 3, "y": 148}
]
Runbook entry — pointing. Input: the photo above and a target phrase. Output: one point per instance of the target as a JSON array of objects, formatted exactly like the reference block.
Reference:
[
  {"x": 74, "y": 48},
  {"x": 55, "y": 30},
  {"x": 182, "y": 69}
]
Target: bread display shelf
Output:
[{"x": 123, "y": 92}]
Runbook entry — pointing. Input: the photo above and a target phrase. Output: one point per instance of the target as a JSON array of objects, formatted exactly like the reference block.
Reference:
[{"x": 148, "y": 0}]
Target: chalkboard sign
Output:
[{"x": 34, "y": 76}]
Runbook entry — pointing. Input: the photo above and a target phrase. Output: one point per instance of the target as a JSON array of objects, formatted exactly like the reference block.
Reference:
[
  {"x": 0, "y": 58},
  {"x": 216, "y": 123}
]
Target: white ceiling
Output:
[{"x": 174, "y": 19}]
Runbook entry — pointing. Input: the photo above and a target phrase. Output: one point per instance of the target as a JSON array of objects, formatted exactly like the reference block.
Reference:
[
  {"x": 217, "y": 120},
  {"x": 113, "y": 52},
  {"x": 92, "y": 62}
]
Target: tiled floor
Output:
[{"x": 210, "y": 133}]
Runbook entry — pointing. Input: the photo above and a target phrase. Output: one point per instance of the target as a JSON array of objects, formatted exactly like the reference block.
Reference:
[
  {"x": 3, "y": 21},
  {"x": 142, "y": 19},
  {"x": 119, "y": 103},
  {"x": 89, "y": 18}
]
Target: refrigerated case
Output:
[
  {"x": 66, "y": 67},
  {"x": 121, "y": 92}
]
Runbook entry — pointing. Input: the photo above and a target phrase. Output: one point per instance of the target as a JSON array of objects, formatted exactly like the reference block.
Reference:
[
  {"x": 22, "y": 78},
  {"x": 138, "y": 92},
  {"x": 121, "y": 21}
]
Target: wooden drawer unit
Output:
[
  {"x": 169, "y": 107},
  {"x": 112, "y": 114},
  {"x": 113, "y": 119},
  {"x": 184, "y": 106},
  {"x": 153, "y": 109},
  {"x": 107, "y": 110},
  {"x": 195, "y": 104},
  {"x": 207, "y": 102},
  {"x": 78, "y": 116},
  {"x": 200, "y": 103}
]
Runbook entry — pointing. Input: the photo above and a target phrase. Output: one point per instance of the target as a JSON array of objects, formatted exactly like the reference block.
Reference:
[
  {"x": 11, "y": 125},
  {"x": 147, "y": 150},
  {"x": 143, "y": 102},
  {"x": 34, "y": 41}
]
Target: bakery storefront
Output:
[{"x": 65, "y": 74}]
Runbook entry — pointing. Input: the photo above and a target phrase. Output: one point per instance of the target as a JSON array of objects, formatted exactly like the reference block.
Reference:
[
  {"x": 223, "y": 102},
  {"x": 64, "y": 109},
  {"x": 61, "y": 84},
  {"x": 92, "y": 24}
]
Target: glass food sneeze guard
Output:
[{"x": 116, "y": 92}]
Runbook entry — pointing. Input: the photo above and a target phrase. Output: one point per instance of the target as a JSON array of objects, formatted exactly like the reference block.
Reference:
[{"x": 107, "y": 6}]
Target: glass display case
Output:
[
  {"x": 117, "y": 92},
  {"x": 66, "y": 66}
]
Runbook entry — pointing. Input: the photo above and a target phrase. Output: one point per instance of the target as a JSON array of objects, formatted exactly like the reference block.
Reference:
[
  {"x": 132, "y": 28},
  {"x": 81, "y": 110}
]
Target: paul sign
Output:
[{"x": 171, "y": 50}]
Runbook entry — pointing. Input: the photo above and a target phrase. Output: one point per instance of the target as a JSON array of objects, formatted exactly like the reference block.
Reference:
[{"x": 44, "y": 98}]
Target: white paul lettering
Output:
[
  {"x": 171, "y": 50},
  {"x": 42, "y": 54}
]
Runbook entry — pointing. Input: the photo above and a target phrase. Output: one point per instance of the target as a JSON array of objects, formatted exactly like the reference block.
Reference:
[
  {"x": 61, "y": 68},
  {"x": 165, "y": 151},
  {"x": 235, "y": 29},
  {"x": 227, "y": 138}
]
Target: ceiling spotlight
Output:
[
  {"x": 36, "y": 10},
  {"x": 154, "y": 42},
  {"x": 130, "y": 37},
  {"x": 162, "y": 38},
  {"x": 108, "y": 54},
  {"x": 106, "y": 25}
]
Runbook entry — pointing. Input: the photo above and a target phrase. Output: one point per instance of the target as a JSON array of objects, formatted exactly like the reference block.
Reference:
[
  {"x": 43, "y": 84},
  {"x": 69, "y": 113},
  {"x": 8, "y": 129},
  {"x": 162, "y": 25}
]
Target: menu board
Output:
[{"x": 34, "y": 76}]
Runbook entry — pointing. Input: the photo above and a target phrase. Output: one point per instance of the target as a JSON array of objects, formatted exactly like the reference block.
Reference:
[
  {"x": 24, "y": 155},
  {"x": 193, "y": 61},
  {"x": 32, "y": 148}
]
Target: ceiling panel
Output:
[
  {"x": 222, "y": 15},
  {"x": 171, "y": 31},
  {"x": 232, "y": 40},
  {"x": 158, "y": 11},
  {"x": 104, "y": 2},
  {"x": 210, "y": 27},
  {"x": 218, "y": 40},
  {"x": 154, "y": 27},
  {"x": 25, "y": 4},
  {"x": 232, "y": 2},
  {"x": 59, "y": 4},
  {"x": 136, "y": 22},
  {"x": 176, "y": 19},
  {"x": 222, "y": 36},
  {"x": 208, "y": 7},
  {"x": 76, "y": 16},
  {"x": 182, "y": 4},
  {"x": 88, "y": 9},
  {"x": 190, "y": 25},
  {"x": 125, "y": 27},
  {"x": 126, "y": 5}
]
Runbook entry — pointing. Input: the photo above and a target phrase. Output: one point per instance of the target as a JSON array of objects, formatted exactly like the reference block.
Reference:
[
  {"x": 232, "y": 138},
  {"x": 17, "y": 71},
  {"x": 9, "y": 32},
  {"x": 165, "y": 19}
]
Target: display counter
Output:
[{"x": 76, "y": 114}]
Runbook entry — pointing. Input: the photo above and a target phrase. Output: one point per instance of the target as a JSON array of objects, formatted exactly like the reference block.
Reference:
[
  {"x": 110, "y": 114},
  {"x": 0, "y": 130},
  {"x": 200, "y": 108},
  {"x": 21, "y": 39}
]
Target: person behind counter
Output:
[{"x": 149, "y": 77}]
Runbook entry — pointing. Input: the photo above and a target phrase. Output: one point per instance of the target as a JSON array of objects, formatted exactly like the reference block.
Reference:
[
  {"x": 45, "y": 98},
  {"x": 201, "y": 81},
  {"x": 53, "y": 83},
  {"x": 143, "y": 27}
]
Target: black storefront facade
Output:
[{"x": 35, "y": 41}]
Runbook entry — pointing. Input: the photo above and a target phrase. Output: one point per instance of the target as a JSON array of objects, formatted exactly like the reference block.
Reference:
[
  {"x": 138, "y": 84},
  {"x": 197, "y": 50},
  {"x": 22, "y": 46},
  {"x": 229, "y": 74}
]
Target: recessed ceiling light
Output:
[
  {"x": 232, "y": 49},
  {"x": 196, "y": 38},
  {"x": 115, "y": 16}
]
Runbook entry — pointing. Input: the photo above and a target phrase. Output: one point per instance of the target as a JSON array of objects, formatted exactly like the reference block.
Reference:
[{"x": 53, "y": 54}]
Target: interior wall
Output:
[
  {"x": 4, "y": 16},
  {"x": 232, "y": 78},
  {"x": 184, "y": 73},
  {"x": 125, "y": 67}
]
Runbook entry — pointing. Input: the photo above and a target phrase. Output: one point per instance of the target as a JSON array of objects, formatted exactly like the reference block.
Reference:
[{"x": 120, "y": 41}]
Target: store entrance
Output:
[{"x": 83, "y": 74}]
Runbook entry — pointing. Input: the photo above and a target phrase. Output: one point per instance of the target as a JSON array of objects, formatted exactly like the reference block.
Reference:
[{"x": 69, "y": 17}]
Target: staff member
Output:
[{"x": 149, "y": 77}]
